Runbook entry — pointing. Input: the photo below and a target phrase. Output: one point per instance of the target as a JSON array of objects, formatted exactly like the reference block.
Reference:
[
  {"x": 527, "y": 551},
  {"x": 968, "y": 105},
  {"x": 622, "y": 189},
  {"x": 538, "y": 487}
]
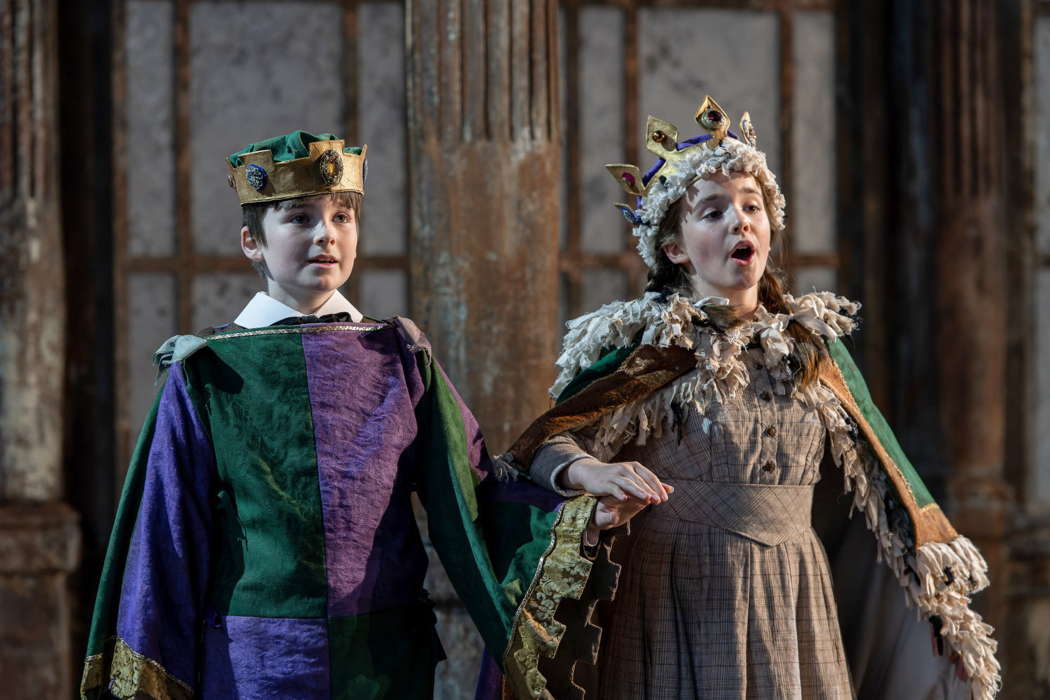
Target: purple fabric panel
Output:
[
  {"x": 265, "y": 657},
  {"x": 364, "y": 421},
  {"x": 490, "y": 679},
  {"x": 167, "y": 566}
]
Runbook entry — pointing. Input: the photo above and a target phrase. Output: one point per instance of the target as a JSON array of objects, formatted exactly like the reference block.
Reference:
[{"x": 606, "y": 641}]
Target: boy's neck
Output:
[{"x": 305, "y": 306}]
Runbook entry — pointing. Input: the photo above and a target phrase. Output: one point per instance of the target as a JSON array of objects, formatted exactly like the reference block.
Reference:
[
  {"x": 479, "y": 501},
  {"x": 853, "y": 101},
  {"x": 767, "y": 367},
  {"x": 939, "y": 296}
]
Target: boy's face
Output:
[{"x": 309, "y": 251}]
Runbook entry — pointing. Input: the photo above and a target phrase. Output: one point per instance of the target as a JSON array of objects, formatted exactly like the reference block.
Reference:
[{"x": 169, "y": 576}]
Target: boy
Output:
[{"x": 265, "y": 544}]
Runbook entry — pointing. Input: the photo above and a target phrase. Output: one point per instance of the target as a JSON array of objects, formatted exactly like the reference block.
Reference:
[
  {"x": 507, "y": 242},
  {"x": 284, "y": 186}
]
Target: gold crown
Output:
[
  {"x": 326, "y": 169},
  {"x": 661, "y": 139}
]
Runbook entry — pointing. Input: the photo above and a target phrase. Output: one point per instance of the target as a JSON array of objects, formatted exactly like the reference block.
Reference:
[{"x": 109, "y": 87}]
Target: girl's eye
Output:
[
  {"x": 754, "y": 208},
  {"x": 299, "y": 219},
  {"x": 713, "y": 214}
]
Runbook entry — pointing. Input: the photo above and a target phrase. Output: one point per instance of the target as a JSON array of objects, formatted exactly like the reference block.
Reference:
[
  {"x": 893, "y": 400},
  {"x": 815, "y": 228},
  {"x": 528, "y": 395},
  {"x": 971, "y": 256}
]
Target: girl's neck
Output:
[{"x": 743, "y": 301}]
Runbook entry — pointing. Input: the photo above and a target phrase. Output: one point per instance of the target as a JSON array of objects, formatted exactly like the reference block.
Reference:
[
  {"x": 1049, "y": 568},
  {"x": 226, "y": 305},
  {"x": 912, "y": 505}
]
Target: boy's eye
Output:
[
  {"x": 299, "y": 219},
  {"x": 713, "y": 214},
  {"x": 341, "y": 218}
]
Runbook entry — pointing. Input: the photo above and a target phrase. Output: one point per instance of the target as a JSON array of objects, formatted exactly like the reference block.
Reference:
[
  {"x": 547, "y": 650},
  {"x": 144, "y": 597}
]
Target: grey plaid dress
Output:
[{"x": 725, "y": 592}]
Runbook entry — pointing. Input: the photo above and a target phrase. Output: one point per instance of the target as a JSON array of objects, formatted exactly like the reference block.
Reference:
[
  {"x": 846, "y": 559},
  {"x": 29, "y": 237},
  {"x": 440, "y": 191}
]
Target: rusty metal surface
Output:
[
  {"x": 39, "y": 547},
  {"x": 39, "y": 541},
  {"x": 32, "y": 294},
  {"x": 483, "y": 192}
]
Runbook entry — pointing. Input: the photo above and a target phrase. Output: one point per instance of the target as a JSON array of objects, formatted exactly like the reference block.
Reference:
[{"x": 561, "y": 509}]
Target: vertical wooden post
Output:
[
  {"x": 485, "y": 161},
  {"x": 38, "y": 534},
  {"x": 484, "y": 182},
  {"x": 972, "y": 307}
]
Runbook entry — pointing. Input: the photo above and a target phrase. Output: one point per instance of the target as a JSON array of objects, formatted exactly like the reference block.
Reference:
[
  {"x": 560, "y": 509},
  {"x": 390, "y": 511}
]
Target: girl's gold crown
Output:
[{"x": 680, "y": 163}]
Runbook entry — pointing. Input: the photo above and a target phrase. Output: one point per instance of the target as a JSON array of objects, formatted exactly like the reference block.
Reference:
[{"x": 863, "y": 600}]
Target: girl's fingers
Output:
[
  {"x": 651, "y": 481},
  {"x": 636, "y": 487}
]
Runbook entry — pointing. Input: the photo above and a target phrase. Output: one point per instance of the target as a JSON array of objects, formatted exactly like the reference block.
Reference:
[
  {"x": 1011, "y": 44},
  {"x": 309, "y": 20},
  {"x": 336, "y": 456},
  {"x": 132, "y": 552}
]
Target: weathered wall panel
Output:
[
  {"x": 150, "y": 127},
  {"x": 257, "y": 69},
  {"x": 730, "y": 54},
  {"x": 599, "y": 132},
  {"x": 151, "y": 321},
  {"x": 811, "y": 220},
  {"x": 381, "y": 115}
]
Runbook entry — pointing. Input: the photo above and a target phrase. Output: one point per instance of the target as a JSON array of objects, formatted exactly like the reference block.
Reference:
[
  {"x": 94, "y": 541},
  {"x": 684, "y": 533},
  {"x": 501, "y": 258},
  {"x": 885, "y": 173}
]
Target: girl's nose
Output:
[{"x": 741, "y": 222}]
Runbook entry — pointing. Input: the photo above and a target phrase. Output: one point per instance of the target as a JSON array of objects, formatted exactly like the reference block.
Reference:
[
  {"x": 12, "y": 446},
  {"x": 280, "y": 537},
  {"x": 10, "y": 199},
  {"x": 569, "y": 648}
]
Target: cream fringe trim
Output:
[
  {"x": 939, "y": 578},
  {"x": 721, "y": 370}
]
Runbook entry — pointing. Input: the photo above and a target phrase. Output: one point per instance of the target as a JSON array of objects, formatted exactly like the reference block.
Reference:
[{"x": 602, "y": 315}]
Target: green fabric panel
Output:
[
  {"x": 107, "y": 600},
  {"x": 859, "y": 389},
  {"x": 518, "y": 535},
  {"x": 446, "y": 489},
  {"x": 288, "y": 147},
  {"x": 386, "y": 654},
  {"x": 608, "y": 363},
  {"x": 270, "y": 559}
]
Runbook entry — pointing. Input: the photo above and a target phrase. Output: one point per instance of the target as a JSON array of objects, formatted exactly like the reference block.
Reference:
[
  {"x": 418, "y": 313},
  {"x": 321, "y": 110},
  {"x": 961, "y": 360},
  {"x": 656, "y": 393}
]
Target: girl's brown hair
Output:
[{"x": 667, "y": 278}]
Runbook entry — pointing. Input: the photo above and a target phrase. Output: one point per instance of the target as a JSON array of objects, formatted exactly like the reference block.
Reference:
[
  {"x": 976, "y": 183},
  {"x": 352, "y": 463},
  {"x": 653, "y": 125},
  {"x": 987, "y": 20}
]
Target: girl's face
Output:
[{"x": 725, "y": 238}]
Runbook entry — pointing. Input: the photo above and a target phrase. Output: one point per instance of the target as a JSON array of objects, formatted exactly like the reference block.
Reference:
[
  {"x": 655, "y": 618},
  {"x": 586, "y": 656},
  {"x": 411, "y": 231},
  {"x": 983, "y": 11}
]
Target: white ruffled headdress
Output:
[{"x": 717, "y": 151}]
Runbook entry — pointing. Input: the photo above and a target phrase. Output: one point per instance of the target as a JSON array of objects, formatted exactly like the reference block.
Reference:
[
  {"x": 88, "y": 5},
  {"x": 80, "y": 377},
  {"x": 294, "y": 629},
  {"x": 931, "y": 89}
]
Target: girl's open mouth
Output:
[{"x": 743, "y": 254}]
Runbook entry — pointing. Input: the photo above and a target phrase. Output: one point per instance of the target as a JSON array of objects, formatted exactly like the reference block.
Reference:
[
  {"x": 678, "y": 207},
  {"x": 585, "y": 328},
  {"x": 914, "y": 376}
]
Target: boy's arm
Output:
[
  {"x": 148, "y": 612},
  {"x": 512, "y": 550}
]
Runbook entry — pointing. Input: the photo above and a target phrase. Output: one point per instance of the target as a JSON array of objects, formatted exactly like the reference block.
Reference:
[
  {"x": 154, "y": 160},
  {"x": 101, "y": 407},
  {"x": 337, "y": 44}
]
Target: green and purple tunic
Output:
[{"x": 265, "y": 543}]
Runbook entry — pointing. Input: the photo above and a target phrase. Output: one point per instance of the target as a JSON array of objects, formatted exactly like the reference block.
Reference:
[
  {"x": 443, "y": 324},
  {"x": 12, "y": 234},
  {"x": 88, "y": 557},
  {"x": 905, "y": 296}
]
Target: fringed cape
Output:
[{"x": 629, "y": 366}]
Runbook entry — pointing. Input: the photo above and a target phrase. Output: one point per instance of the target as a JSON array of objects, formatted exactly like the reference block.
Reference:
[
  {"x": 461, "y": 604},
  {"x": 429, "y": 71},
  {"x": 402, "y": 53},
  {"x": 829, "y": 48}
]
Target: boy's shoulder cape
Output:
[{"x": 639, "y": 357}]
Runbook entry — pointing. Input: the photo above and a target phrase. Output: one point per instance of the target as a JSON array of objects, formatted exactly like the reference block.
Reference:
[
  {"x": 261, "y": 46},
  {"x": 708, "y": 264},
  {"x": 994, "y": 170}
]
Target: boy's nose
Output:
[{"x": 323, "y": 235}]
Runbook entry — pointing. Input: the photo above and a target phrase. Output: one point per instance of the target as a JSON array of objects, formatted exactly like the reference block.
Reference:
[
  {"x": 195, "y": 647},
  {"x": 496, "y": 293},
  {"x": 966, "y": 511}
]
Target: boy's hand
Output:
[
  {"x": 620, "y": 480},
  {"x": 609, "y": 513}
]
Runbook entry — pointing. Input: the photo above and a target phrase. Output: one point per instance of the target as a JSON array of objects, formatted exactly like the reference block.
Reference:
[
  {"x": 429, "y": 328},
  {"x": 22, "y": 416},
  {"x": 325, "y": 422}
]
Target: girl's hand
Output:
[{"x": 619, "y": 480}]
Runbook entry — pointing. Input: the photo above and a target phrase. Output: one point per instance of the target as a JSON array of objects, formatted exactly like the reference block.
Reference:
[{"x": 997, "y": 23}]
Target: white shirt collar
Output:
[{"x": 264, "y": 310}]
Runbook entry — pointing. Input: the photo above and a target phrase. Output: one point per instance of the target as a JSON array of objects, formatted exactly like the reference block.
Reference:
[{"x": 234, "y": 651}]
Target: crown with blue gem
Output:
[
  {"x": 719, "y": 150},
  {"x": 299, "y": 164}
]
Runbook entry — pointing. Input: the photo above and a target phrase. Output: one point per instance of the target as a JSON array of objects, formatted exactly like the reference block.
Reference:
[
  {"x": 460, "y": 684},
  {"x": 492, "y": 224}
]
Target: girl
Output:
[{"x": 749, "y": 580}]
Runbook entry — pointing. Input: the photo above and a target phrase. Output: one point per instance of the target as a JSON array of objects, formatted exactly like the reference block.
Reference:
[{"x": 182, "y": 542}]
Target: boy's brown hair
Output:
[{"x": 252, "y": 215}]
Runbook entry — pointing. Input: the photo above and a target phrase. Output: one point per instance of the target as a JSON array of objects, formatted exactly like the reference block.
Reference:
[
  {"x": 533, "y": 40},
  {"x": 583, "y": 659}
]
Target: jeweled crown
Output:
[
  {"x": 328, "y": 167},
  {"x": 680, "y": 163},
  {"x": 661, "y": 139}
]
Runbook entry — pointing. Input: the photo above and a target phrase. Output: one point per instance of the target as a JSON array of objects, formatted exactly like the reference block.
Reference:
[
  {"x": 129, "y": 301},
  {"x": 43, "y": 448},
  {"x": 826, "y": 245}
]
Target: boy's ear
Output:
[
  {"x": 251, "y": 247},
  {"x": 673, "y": 250}
]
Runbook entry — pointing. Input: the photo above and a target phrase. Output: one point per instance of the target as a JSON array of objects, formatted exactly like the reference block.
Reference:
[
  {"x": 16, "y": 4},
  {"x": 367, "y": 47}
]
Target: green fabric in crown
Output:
[
  {"x": 269, "y": 509},
  {"x": 288, "y": 147},
  {"x": 859, "y": 389}
]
